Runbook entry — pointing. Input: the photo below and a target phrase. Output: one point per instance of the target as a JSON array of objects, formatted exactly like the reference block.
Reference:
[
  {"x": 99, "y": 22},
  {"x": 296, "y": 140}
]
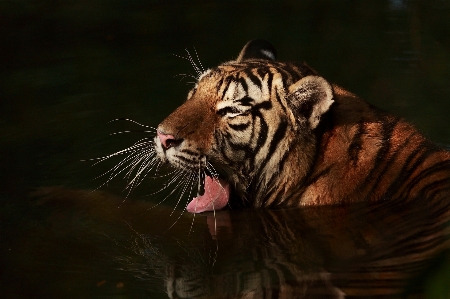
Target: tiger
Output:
[{"x": 257, "y": 132}]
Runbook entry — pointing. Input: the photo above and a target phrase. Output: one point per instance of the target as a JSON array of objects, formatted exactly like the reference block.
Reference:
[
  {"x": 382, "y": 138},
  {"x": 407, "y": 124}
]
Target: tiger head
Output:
[{"x": 247, "y": 129}]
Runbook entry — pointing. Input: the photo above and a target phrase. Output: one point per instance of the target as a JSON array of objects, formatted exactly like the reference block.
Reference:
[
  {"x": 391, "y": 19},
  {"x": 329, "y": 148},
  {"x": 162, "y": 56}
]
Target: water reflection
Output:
[
  {"x": 324, "y": 252},
  {"x": 382, "y": 250}
]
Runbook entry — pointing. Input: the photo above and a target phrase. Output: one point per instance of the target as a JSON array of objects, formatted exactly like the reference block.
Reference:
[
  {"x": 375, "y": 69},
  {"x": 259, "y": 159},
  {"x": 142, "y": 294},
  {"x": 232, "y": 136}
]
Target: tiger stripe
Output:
[{"x": 282, "y": 135}]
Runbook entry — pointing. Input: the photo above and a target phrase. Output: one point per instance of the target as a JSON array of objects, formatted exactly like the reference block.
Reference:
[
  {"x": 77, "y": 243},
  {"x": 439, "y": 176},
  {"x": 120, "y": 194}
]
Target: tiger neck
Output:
[{"x": 288, "y": 168}]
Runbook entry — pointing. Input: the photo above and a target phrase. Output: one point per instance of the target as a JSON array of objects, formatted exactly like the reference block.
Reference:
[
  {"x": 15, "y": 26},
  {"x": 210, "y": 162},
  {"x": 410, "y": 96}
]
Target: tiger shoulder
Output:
[{"x": 258, "y": 132}]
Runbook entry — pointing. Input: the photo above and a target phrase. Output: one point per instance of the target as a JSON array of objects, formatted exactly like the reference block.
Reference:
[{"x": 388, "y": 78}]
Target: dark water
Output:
[{"x": 69, "y": 67}]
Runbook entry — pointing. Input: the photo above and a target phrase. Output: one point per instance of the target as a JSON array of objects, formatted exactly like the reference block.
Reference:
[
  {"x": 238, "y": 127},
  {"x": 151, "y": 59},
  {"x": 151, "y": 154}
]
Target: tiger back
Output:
[{"x": 258, "y": 132}]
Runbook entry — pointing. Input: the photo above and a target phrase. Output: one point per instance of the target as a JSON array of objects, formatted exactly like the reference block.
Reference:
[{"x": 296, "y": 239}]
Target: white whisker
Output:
[
  {"x": 169, "y": 183},
  {"x": 186, "y": 76},
  {"x": 198, "y": 69},
  {"x": 190, "y": 181},
  {"x": 113, "y": 171},
  {"x": 173, "y": 191},
  {"x": 133, "y": 121},
  {"x": 132, "y": 148},
  {"x": 146, "y": 164},
  {"x": 183, "y": 191},
  {"x": 198, "y": 59},
  {"x": 134, "y": 131}
]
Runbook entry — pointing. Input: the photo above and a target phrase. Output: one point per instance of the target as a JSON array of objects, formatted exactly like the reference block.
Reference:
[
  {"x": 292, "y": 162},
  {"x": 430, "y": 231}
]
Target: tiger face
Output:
[
  {"x": 238, "y": 125},
  {"x": 267, "y": 133}
]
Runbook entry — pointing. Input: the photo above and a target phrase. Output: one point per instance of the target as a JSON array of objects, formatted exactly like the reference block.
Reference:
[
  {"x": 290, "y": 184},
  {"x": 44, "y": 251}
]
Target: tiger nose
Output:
[{"x": 168, "y": 140}]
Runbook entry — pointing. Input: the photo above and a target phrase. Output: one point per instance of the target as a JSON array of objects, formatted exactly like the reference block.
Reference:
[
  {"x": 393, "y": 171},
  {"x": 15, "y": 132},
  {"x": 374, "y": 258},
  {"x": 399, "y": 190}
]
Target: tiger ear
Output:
[
  {"x": 310, "y": 98},
  {"x": 257, "y": 49}
]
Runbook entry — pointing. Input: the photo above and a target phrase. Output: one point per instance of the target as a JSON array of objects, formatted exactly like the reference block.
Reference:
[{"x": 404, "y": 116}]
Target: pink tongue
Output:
[{"x": 217, "y": 193}]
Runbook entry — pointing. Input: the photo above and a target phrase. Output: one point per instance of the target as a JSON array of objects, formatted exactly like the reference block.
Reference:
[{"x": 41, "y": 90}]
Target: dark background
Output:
[{"x": 68, "y": 67}]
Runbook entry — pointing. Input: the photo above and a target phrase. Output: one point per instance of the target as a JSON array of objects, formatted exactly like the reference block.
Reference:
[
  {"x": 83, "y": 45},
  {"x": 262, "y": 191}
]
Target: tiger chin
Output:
[{"x": 264, "y": 133}]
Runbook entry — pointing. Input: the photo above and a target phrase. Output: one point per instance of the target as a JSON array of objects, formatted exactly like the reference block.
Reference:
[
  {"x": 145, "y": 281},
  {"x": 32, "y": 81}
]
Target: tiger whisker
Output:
[
  {"x": 130, "y": 131},
  {"x": 113, "y": 171},
  {"x": 164, "y": 175},
  {"x": 169, "y": 183},
  {"x": 132, "y": 155},
  {"x": 186, "y": 75},
  {"x": 213, "y": 200},
  {"x": 197, "y": 69},
  {"x": 198, "y": 59},
  {"x": 189, "y": 58},
  {"x": 132, "y": 148},
  {"x": 174, "y": 189},
  {"x": 194, "y": 65},
  {"x": 189, "y": 196},
  {"x": 198, "y": 191},
  {"x": 139, "y": 161},
  {"x": 211, "y": 169},
  {"x": 181, "y": 214},
  {"x": 145, "y": 168},
  {"x": 183, "y": 191},
  {"x": 145, "y": 165},
  {"x": 133, "y": 121},
  {"x": 215, "y": 175}
]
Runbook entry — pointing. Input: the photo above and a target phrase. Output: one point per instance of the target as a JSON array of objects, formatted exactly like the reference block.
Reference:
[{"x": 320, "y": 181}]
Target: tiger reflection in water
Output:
[{"x": 369, "y": 251}]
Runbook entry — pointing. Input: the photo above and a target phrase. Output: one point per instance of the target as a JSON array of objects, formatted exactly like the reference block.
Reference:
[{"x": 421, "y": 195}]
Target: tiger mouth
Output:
[
  {"x": 213, "y": 191},
  {"x": 213, "y": 194}
]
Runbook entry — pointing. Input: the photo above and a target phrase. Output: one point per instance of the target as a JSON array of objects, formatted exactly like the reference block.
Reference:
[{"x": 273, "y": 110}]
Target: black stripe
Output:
[
  {"x": 255, "y": 79},
  {"x": 285, "y": 76},
  {"x": 297, "y": 74},
  {"x": 253, "y": 128},
  {"x": 313, "y": 179},
  {"x": 262, "y": 71},
  {"x": 355, "y": 146},
  {"x": 269, "y": 82},
  {"x": 219, "y": 85},
  {"x": 245, "y": 101},
  {"x": 280, "y": 200},
  {"x": 293, "y": 75},
  {"x": 440, "y": 166},
  {"x": 239, "y": 147},
  {"x": 192, "y": 153},
  {"x": 407, "y": 168},
  {"x": 227, "y": 82},
  {"x": 262, "y": 136},
  {"x": 240, "y": 127},
  {"x": 386, "y": 134},
  {"x": 278, "y": 136},
  {"x": 399, "y": 183},
  {"x": 442, "y": 191},
  {"x": 295, "y": 194},
  {"x": 218, "y": 141},
  {"x": 187, "y": 160},
  {"x": 227, "y": 159},
  {"x": 249, "y": 156},
  {"x": 277, "y": 96},
  {"x": 264, "y": 105},
  {"x": 244, "y": 84}
]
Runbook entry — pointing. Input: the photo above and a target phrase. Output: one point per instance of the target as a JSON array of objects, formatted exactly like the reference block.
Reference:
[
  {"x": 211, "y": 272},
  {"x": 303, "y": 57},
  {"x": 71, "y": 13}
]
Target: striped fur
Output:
[{"x": 282, "y": 135}]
